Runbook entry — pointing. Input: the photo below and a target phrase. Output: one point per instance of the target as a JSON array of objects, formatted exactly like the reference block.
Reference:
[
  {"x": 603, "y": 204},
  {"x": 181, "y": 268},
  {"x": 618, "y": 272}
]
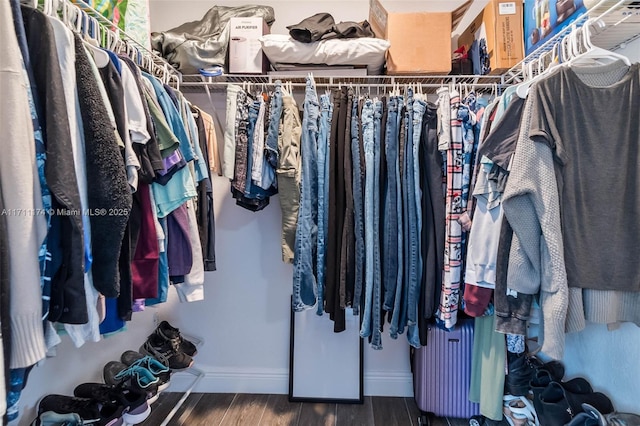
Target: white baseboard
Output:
[
  {"x": 388, "y": 383},
  {"x": 276, "y": 381}
]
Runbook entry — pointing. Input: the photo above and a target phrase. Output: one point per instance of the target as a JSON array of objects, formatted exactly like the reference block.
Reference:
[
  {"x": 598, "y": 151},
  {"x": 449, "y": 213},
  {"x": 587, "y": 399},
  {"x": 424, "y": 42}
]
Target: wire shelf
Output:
[
  {"x": 616, "y": 23},
  {"x": 429, "y": 83}
]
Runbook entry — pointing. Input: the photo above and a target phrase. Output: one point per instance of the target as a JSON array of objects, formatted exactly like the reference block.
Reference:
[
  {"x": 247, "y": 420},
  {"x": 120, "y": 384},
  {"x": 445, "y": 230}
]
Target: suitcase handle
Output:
[{"x": 454, "y": 340}]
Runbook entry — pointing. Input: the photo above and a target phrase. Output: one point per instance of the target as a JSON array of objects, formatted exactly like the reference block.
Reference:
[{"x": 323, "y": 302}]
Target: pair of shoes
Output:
[
  {"x": 155, "y": 367},
  {"x": 553, "y": 371},
  {"x": 134, "y": 377},
  {"x": 560, "y": 402},
  {"x": 167, "y": 332},
  {"x": 167, "y": 346},
  {"x": 591, "y": 416},
  {"x": 89, "y": 410},
  {"x": 134, "y": 401}
]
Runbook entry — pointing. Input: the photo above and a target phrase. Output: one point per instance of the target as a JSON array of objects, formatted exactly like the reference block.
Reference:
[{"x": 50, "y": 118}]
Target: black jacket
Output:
[{"x": 65, "y": 241}]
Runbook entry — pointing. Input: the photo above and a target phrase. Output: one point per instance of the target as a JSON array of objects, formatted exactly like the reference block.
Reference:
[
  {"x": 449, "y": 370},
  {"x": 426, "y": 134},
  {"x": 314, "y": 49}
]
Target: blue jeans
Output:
[
  {"x": 376, "y": 338},
  {"x": 369, "y": 231},
  {"x": 391, "y": 234},
  {"x": 275, "y": 112},
  {"x": 252, "y": 190},
  {"x": 323, "y": 192},
  {"x": 358, "y": 208},
  {"x": 399, "y": 316},
  {"x": 304, "y": 261},
  {"x": 419, "y": 108}
]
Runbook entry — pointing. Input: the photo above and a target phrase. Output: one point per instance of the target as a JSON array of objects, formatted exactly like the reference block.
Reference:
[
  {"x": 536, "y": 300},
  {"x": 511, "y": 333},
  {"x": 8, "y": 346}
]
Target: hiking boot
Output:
[
  {"x": 135, "y": 401},
  {"x": 168, "y": 332},
  {"x": 158, "y": 369},
  {"x": 90, "y": 411},
  {"x": 167, "y": 352}
]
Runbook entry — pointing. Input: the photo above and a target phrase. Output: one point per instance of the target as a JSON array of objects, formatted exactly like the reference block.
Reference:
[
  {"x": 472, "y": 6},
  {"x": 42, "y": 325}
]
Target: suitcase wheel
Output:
[
  {"x": 423, "y": 420},
  {"x": 476, "y": 421}
]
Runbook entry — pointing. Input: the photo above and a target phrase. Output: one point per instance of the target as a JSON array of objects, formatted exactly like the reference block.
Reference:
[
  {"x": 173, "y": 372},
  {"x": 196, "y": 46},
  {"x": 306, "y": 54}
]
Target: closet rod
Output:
[
  {"x": 220, "y": 85},
  {"x": 161, "y": 68}
]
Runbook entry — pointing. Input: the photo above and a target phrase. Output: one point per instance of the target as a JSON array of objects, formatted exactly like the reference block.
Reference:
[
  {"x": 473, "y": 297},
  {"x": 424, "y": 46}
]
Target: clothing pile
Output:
[{"x": 106, "y": 192}]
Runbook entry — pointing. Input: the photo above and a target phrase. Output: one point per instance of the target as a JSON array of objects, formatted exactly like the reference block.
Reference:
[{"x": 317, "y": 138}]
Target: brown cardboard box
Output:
[
  {"x": 419, "y": 33},
  {"x": 501, "y": 24}
]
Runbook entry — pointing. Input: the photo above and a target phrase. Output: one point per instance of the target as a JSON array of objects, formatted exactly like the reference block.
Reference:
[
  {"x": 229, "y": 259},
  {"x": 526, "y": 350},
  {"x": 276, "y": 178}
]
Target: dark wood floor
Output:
[{"x": 209, "y": 409}]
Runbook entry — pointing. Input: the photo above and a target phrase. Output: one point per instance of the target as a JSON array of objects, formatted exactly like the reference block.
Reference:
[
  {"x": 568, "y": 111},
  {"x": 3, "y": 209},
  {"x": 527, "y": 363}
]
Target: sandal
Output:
[{"x": 519, "y": 411}]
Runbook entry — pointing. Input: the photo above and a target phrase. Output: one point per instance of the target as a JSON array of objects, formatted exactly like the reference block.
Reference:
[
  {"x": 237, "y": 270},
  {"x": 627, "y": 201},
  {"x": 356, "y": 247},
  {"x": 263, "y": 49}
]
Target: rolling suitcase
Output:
[{"x": 442, "y": 373}]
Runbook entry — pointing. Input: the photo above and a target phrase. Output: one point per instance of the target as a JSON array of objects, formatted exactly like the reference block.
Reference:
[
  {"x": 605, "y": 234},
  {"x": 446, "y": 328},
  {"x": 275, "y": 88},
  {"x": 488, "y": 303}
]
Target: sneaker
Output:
[
  {"x": 168, "y": 332},
  {"x": 134, "y": 377},
  {"x": 51, "y": 418},
  {"x": 90, "y": 411},
  {"x": 158, "y": 369},
  {"x": 135, "y": 401},
  {"x": 167, "y": 352}
]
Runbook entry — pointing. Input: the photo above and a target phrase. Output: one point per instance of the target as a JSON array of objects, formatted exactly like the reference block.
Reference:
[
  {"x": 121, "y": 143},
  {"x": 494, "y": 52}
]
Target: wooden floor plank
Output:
[
  {"x": 210, "y": 409},
  {"x": 280, "y": 412},
  {"x": 246, "y": 409},
  {"x": 414, "y": 411},
  {"x": 317, "y": 414},
  {"x": 159, "y": 410},
  {"x": 180, "y": 418},
  {"x": 458, "y": 422},
  {"x": 355, "y": 414},
  {"x": 390, "y": 411}
]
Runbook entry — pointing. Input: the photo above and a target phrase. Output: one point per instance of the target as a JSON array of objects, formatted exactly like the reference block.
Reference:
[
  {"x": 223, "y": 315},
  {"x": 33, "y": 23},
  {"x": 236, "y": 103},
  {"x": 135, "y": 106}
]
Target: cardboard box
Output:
[
  {"x": 500, "y": 24},
  {"x": 245, "y": 50},
  {"x": 419, "y": 33},
  {"x": 545, "y": 18}
]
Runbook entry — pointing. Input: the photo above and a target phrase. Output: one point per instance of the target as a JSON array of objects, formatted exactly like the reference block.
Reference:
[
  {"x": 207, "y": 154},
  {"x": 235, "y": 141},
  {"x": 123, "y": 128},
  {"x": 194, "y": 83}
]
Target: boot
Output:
[{"x": 559, "y": 405}]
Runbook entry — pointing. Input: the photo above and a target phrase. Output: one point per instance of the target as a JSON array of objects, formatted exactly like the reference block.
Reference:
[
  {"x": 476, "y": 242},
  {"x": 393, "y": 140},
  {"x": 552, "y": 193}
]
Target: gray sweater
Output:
[{"x": 536, "y": 261}]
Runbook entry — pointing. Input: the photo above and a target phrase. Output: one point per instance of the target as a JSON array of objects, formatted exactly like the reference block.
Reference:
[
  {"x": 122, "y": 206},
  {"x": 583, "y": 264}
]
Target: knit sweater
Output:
[
  {"x": 106, "y": 179},
  {"x": 22, "y": 200},
  {"x": 536, "y": 260}
]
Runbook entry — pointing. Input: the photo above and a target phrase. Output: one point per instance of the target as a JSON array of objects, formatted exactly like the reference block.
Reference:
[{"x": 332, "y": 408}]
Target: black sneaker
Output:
[
  {"x": 158, "y": 369},
  {"x": 167, "y": 352},
  {"x": 168, "y": 332},
  {"x": 134, "y": 377},
  {"x": 91, "y": 412},
  {"x": 135, "y": 401},
  {"x": 50, "y": 418}
]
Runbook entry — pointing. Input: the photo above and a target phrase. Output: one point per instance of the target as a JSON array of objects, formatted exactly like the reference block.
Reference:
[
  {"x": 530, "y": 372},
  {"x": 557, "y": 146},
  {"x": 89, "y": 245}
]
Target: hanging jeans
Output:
[
  {"x": 392, "y": 207},
  {"x": 432, "y": 235},
  {"x": 323, "y": 192},
  {"x": 415, "y": 277},
  {"x": 367, "y": 137},
  {"x": 275, "y": 112},
  {"x": 358, "y": 207},
  {"x": 376, "y": 335},
  {"x": 304, "y": 261},
  {"x": 399, "y": 303}
]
